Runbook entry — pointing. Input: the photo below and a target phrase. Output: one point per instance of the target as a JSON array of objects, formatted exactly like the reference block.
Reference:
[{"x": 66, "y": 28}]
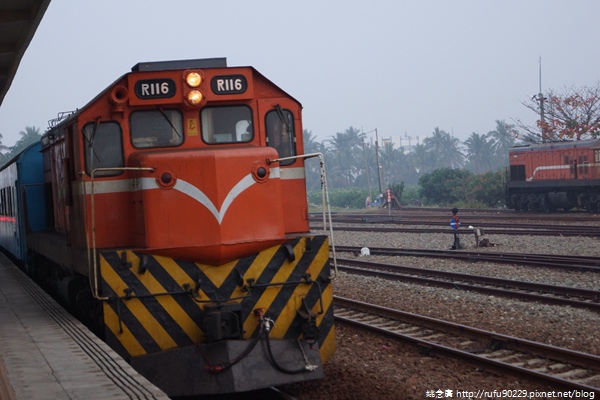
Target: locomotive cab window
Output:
[
  {"x": 156, "y": 128},
  {"x": 226, "y": 124},
  {"x": 280, "y": 133},
  {"x": 103, "y": 147},
  {"x": 517, "y": 173}
]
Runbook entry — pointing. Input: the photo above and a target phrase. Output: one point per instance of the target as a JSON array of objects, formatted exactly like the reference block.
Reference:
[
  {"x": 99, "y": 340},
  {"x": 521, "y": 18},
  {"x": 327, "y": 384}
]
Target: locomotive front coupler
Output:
[{"x": 222, "y": 321}]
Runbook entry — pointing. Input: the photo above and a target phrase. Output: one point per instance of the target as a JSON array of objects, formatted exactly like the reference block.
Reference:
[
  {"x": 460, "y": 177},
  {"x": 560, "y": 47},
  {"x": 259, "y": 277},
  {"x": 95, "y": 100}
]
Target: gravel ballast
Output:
[{"x": 373, "y": 367}]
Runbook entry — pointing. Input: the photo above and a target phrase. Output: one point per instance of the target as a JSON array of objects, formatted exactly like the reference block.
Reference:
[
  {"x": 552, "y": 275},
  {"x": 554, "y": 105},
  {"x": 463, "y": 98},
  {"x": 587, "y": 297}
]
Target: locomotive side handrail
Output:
[
  {"x": 324, "y": 198},
  {"x": 93, "y": 264}
]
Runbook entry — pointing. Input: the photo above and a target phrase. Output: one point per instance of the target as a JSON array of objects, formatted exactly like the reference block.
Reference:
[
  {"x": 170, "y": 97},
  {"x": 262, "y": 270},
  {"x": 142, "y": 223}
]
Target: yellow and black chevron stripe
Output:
[{"x": 152, "y": 307}]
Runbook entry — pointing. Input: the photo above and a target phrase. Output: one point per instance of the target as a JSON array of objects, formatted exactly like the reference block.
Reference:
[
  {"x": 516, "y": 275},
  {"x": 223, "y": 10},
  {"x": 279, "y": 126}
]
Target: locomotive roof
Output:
[
  {"x": 589, "y": 143},
  {"x": 202, "y": 63}
]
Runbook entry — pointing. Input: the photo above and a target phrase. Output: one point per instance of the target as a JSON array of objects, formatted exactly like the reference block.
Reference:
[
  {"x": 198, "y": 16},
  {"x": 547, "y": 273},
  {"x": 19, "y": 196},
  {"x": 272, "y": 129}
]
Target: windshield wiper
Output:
[
  {"x": 91, "y": 139},
  {"x": 164, "y": 114},
  {"x": 277, "y": 108}
]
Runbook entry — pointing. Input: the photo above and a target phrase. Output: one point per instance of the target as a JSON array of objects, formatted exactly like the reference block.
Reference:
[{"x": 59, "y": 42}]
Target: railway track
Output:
[
  {"x": 574, "y": 263},
  {"x": 510, "y": 229},
  {"x": 445, "y": 214},
  {"x": 528, "y": 291},
  {"x": 437, "y": 221},
  {"x": 559, "y": 367},
  {"x": 572, "y": 215}
]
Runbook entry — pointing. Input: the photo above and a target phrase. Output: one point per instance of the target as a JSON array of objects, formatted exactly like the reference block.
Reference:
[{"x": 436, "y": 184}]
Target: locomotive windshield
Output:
[
  {"x": 103, "y": 147},
  {"x": 280, "y": 133},
  {"x": 156, "y": 128},
  {"x": 226, "y": 124}
]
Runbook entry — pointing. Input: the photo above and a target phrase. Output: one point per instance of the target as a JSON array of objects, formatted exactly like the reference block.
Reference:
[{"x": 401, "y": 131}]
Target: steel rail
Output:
[
  {"x": 508, "y": 231},
  {"x": 405, "y": 214},
  {"x": 530, "y": 291},
  {"x": 577, "y": 263},
  {"x": 466, "y": 222},
  {"x": 563, "y": 367}
]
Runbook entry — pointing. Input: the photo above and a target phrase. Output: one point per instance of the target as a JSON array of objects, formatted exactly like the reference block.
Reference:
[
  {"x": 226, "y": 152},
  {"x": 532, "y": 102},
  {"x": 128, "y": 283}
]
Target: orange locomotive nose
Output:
[{"x": 209, "y": 205}]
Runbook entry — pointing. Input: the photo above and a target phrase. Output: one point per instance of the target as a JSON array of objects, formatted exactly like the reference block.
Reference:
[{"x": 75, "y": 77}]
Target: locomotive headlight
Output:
[
  {"x": 194, "y": 97},
  {"x": 193, "y": 79}
]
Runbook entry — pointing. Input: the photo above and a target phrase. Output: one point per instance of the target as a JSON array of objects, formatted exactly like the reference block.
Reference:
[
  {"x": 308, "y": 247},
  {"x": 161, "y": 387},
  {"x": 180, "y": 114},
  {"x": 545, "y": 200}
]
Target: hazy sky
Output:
[{"x": 403, "y": 67}]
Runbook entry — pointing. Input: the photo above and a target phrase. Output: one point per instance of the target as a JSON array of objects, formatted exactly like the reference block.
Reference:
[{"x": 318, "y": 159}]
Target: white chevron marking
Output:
[{"x": 198, "y": 195}]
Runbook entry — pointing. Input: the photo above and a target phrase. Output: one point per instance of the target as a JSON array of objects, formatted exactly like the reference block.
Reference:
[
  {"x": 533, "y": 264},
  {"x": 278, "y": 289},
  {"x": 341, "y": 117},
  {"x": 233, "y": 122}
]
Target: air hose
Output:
[
  {"x": 265, "y": 325},
  {"x": 268, "y": 324},
  {"x": 215, "y": 369}
]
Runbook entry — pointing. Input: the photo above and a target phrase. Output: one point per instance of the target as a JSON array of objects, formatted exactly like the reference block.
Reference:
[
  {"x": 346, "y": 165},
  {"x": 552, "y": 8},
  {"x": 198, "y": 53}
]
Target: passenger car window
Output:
[
  {"x": 227, "y": 124},
  {"x": 156, "y": 128},
  {"x": 103, "y": 147}
]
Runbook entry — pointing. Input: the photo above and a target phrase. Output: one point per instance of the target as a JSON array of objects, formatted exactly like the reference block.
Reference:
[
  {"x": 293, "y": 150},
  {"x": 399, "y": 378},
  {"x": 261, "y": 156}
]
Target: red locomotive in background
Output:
[
  {"x": 175, "y": 222},
  {"x": 550, "y": 176}
]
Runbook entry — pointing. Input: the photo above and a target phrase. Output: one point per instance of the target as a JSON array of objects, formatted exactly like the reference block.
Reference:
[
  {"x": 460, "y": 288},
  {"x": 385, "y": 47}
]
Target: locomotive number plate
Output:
[
  {"x": 229, "y": 84},
  {"x": 155, "y": 88}
]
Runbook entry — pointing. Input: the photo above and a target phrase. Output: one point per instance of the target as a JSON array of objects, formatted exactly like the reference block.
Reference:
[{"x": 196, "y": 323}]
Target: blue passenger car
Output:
[{"x": 22, "y": 207}]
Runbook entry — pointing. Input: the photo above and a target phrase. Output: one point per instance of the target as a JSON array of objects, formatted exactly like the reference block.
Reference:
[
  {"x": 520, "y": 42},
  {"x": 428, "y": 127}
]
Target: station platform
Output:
[{"x": 45, "y": 353}]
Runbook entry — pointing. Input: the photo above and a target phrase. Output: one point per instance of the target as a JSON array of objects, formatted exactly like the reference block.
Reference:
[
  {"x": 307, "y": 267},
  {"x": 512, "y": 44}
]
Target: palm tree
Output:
[
  {"x": 421, "y": 160},
  {"x": 479, "y": 153},
  {"x": 310, "y": 143},
  {"x": 346, "y": 148},
  {"x": 30, "y": 135},
  {"x": 395, "y": 165},
  {"x": 367, "y": 172},
  {"x": 502, "y": 140},
  {"x": 312, "y": 167},
  {"x": 445, "y": 149},
  {"x": 3, "y": 156},
  {"x": 2, "y": 147}
]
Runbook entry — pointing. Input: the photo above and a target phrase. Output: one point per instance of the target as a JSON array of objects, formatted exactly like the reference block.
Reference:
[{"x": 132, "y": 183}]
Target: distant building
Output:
[{"x": 407, "y": 144}]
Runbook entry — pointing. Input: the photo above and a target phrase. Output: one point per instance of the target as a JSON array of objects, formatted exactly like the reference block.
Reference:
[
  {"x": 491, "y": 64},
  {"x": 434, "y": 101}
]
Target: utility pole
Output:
[
  {"x": 377, "y": 157},
  {"x": 368, "y": 174},
  {"x": 409, "y": 138},
  {"x": 540, "y": 98}
]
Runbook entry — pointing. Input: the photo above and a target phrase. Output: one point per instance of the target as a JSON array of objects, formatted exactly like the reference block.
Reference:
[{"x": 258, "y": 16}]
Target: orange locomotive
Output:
[
  {"x": 548, "y": 176},
  {"x": 180, "y": 228}
]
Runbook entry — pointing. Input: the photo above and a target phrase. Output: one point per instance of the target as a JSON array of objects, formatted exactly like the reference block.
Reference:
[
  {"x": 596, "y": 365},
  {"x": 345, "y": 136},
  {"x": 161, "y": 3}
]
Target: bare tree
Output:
[{"x": 572, "y": 114}]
